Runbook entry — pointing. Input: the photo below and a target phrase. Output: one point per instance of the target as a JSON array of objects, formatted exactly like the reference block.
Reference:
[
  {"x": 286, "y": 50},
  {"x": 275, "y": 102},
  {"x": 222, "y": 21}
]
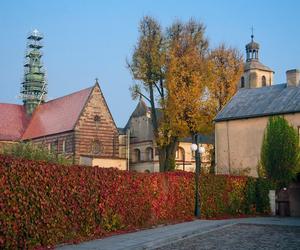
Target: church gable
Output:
[{"x": 95, "y": 131}]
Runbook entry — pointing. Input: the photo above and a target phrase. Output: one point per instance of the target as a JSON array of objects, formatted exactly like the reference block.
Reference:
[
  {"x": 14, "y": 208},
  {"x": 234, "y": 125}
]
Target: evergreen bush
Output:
[{"x": 280, "y": 152}]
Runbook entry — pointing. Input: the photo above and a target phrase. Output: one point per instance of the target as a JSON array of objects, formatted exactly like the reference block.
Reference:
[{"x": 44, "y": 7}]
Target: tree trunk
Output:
[
  {"x": 167, "y": 156},
  {"x": 162, "y": 158}
]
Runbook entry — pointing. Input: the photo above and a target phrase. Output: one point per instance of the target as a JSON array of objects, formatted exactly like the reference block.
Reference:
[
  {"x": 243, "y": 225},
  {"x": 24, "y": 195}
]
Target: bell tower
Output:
[
  {"x": 33, "y": 89},
  {"x": 256, "y": 74}
]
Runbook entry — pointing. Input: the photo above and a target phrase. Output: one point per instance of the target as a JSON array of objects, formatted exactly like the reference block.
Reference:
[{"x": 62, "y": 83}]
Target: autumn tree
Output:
[
  {"x": 176, "y": 73},
  {"x": 227, "y": 66},
  {"x": 148, "y": 68},
  {"x": 187, "y": 77}
]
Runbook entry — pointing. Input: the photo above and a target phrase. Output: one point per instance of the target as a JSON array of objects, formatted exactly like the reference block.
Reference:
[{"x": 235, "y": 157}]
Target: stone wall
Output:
[
  {"x": 62, "y": 143},
  {"x": 104, "y": 162}
]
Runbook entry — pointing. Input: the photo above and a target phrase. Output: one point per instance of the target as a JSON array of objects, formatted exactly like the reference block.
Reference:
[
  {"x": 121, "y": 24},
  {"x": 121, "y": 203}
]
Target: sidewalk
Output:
[{"x": 152, "y": 238}]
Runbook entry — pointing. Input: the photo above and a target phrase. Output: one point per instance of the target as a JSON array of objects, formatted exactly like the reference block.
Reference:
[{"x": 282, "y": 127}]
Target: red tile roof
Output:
[
  {"x": 58, "y": 115},
  {"x": 13, "y": 121}
]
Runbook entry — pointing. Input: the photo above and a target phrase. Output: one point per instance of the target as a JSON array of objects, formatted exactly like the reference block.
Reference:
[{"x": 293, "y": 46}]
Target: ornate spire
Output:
[{"x": 33, "y": 88}]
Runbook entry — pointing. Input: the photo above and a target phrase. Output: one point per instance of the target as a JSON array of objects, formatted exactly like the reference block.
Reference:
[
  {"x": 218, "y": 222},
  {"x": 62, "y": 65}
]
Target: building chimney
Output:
[{"x": 293, "y": 77}]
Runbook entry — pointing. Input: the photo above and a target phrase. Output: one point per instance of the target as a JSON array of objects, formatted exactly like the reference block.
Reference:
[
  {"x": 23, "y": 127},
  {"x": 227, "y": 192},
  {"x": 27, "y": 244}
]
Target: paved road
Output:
[
  {"x": 192, "y": 235},
  {"x": 242, "y": 236}
]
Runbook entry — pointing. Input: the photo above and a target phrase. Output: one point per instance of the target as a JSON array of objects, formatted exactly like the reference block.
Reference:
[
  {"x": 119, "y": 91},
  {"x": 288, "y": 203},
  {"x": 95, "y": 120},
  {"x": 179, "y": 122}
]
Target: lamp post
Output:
[{"x": 198, "y": 152}]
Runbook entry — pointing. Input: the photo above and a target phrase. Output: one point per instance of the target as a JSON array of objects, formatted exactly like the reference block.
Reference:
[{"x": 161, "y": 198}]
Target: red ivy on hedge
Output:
[{"x": 46, "y": 204}]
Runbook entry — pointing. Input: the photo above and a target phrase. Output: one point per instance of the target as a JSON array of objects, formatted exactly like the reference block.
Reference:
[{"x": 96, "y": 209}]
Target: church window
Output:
[
  {"x": 63, "y": 147},
  {"x": 149, "y": 154},
  {"x": 53, "y": 147},
  {"x": 242, "y": 82},
  {"x": 96, "y": 147},
  {"x": 97, "y": 118},
  {"x": 263, "y": 81},
  {"x": 137, "y": 155}
]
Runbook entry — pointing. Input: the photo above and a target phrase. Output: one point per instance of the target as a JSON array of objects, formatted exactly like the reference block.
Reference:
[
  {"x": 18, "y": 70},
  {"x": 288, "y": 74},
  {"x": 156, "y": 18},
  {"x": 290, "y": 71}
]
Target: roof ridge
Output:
[{"x": 69, "y": 94}]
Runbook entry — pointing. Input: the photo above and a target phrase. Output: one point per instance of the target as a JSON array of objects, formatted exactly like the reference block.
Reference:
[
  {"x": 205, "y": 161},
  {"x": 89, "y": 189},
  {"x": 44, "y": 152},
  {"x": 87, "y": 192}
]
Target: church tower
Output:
[
  {"x": 33, "y": 90},
  {"x": 256, "y": 74}
]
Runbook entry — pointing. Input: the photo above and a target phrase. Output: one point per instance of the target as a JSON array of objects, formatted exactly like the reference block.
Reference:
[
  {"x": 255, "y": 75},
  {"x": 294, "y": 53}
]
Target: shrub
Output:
[
  {"x": 45, "y": 204},
  {"x": 37, "y": 152},
  {"x": 250, "y": 196},
  {"x": 262, "y": 187},
  {"x": 280, "y": 153}
]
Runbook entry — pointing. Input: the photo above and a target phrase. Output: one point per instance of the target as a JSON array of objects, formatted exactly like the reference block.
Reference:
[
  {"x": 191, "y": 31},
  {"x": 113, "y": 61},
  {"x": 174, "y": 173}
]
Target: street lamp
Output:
[{"x": 198, "y": 152}]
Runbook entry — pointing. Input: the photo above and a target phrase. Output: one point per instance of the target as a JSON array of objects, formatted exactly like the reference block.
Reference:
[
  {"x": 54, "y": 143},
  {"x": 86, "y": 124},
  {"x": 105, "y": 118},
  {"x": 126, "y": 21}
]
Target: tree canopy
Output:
[{"x": 176, "y": 72}]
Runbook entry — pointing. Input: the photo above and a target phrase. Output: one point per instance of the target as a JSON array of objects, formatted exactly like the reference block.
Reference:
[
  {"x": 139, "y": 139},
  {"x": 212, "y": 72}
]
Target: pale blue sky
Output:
[{"x": 88, "y": 39}]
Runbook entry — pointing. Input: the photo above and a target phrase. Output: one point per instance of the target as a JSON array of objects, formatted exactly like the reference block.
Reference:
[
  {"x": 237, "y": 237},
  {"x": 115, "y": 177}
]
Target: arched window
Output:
[
  {"x": 149, "y": 154},
  {"x": 263, "y": 81},
  {"x": 180, "y": 154},
  {"x": 137, "y": 155},
  {"x": 242, "y": 82}
]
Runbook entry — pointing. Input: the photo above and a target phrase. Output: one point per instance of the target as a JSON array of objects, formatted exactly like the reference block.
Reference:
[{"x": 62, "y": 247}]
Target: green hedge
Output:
[{"x": 46, "y": 204}]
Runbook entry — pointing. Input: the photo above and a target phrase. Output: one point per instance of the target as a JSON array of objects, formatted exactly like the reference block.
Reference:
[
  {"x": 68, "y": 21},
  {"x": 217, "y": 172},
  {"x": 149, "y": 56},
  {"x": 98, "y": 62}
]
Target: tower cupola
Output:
[
  {"x": 33, "y": 90},
  {"x": 252, "y": 49},
  {"x": 256, "y": 74}
]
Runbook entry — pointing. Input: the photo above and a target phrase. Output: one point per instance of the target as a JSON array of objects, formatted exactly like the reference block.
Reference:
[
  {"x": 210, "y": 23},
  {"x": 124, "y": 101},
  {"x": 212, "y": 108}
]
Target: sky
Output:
[{"x": 86, "y": 39}]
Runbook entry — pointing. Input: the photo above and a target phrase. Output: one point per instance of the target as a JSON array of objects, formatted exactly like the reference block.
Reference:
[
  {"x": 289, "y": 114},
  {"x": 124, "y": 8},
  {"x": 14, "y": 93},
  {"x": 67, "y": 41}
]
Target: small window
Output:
[
  {"x": 97, "y": 118},
  {"x": 263, "y": 81},
  {"x": 149, "y": 154},
  {"x": 242, "y": 82},
  {"x": 53, "y": 147},
  {"x": 137, "y": 155},
  {"x": 63, "y": 146}
]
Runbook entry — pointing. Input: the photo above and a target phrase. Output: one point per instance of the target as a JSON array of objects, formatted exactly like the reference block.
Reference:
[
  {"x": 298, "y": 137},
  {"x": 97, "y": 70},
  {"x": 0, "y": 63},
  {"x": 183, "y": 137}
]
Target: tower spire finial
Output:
[{"x": 252, "y": 33}]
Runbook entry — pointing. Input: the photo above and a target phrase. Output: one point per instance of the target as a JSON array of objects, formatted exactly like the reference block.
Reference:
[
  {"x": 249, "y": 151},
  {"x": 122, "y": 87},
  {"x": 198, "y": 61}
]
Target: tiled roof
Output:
[
  {"x": 13, "y": 121},
  {"x": 272, "y": 100},
  {"x": 57, "y": 116},
  {"x": 253, "y": 64}
]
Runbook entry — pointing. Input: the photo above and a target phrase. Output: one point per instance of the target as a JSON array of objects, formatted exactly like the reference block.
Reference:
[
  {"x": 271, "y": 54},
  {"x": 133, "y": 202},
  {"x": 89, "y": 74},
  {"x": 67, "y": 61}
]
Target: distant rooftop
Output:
[{"x": 272, "y": 100}]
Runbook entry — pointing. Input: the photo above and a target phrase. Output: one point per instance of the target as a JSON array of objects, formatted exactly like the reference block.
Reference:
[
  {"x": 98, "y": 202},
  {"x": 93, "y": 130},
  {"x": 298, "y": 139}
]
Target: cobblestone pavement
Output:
[{"x": 242, "y": 236}]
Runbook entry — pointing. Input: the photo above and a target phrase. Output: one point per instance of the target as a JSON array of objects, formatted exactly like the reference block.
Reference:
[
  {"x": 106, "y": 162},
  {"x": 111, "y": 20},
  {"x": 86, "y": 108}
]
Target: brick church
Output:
[{"x": 78, "y": 125}]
